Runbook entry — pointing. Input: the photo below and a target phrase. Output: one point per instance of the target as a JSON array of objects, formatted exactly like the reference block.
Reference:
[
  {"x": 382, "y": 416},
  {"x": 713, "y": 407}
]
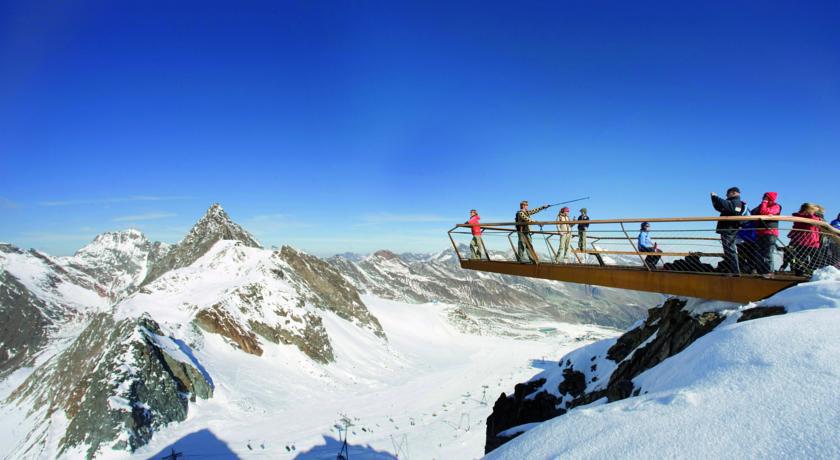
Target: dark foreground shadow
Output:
[
  {"x": 331, "y": 447},
  {"x": 200, "y": 444}
]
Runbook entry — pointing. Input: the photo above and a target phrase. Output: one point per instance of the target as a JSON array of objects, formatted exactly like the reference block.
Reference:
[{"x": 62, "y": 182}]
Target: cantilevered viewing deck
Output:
[{"x": 689, "y": 262}]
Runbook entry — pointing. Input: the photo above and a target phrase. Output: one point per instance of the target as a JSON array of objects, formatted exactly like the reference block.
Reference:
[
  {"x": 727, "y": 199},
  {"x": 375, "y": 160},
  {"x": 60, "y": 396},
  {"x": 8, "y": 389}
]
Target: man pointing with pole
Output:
[{"x": 525, "y": 251}]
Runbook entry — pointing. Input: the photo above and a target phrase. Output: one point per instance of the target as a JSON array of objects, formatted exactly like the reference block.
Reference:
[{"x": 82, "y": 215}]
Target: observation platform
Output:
[{"x": 689, "y": 262}]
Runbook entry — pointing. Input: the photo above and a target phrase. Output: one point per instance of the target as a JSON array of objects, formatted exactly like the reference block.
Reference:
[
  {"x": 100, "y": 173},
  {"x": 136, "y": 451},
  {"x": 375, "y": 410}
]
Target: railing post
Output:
[
  {"x": 455, "y": 246},
  {"x": 551, "y": 248},
  {"x": 633, "y": 245},
  {"x": 529, "y": 246},
  {"x": 515, "y": 251}
]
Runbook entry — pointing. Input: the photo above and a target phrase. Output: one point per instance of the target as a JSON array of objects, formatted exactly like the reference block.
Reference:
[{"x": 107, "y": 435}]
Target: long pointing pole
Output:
[{"x": 570, "y": 201}]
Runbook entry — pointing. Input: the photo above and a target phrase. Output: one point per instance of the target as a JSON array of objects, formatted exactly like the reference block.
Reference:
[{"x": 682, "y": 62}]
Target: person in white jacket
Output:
[{"x": 565, "y": 233}]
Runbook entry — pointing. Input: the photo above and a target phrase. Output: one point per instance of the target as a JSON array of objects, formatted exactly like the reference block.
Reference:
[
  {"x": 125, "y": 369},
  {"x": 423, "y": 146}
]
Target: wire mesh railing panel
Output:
[{"x": 755, "y": 246}]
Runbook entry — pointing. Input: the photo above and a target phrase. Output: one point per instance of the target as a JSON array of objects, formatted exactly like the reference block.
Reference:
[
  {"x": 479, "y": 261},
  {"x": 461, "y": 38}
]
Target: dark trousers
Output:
[
  {"x": 730, "y": 251},
  {"x": 764, "y": 258},
  {"x": 650, "y": 261}
]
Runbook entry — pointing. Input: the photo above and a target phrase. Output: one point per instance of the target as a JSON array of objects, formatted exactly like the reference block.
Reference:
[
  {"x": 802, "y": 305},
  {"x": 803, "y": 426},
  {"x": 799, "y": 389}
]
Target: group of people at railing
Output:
[{"x": 748, "y": 246}]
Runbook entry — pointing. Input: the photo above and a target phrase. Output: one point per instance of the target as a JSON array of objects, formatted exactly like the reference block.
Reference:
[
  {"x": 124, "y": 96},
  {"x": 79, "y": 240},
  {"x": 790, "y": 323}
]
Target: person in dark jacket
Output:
[
  {"x": 766, "y": 232},
  {"x": 731, "y": 206},
  {"x": 582, "y": 230},
  {"x": 747, "y": 246}
]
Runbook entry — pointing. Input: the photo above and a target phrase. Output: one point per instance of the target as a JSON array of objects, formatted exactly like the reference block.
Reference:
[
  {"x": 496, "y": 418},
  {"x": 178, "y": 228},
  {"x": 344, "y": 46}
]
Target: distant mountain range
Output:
[{"x": 105, "y": 338}]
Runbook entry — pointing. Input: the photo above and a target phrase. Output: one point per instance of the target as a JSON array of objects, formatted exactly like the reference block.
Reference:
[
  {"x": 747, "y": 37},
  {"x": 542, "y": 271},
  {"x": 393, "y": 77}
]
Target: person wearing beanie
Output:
[
  {"x": 728, "y": 230},
  {"x": 646, "y": 245},
  {"x": 477, "y": 244},
  {"x": 767, "y": 232},
  {"x": 565, "y": 233}
]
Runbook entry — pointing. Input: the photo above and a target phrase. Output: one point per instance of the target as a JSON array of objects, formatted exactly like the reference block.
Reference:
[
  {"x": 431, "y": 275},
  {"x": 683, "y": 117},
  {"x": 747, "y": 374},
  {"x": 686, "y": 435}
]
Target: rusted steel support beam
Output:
[{"x": 715, "y": 286}]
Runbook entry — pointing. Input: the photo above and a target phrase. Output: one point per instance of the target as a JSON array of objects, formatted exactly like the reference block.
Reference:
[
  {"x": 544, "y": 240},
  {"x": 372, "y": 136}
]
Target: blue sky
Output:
[{"x": 352, "y": 126}]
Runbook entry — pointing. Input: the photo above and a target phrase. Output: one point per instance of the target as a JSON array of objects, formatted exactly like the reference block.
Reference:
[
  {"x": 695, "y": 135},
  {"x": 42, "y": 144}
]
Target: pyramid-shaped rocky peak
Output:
[
  {"x": 216, "y": 225},
  {"x": 213, "y": 227}
]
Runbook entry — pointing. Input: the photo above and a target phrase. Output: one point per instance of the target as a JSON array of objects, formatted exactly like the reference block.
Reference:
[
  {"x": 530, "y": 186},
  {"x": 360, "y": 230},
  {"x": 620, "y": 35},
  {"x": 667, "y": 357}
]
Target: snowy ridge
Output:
[
  {"x": 491, "y": 301},
  {"x": 120, "y": 261},
  {"x": 772, "y": 377}
]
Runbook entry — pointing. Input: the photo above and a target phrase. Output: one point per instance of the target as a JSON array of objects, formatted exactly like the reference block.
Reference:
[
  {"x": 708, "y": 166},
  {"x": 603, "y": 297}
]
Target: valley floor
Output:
[{"x": 423, "y": 395}]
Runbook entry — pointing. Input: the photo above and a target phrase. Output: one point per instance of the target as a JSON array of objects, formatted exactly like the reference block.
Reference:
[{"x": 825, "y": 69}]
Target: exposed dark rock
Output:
[
  {"x": 115, "y": 384},
  {"x": 515, "y": 410},
  {"x": 24, "y": 324},
  {"x": 574, "y": 382},
  {"x": 325, "y": 288},
  {"x": 760, "y": 312},
  {"x": 215, "y": 320},
  {"x": 666, "y": 331},
  {"x": 675, "y": 329}
]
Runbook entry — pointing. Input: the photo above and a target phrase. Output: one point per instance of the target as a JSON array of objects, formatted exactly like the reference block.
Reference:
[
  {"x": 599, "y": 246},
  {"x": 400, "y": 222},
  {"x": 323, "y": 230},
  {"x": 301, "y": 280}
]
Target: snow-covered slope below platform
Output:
[
  {"x": 423, "y": 394},
  {"x": 751, "y": 387}
]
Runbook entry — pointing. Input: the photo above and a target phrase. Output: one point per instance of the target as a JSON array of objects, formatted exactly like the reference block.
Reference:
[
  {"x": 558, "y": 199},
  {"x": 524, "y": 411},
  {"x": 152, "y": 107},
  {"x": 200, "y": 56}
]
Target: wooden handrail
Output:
[
  {"x": 644, "y": 254},
  {"x": 506, "y": 225}
]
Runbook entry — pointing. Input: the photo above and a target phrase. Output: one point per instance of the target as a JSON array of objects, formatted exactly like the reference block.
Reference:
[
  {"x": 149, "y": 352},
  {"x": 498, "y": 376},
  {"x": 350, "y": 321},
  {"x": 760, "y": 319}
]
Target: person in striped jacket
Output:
[{"x": 523, "y": 232}]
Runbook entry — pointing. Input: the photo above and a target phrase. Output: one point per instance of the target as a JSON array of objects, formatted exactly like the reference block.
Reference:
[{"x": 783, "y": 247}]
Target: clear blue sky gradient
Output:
[{"x": 352, "y": 126}]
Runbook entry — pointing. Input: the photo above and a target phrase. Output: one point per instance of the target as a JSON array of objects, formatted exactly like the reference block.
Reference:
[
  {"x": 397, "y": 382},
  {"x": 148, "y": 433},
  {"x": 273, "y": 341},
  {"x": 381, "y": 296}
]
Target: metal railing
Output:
[{"x": 684, "y": 244}]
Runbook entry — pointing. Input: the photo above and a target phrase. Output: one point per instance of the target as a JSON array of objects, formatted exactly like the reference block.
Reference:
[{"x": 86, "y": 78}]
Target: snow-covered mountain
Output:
[
  {"x": 489, "y": 300},
  {"x": 120, "y": 261},
  {"x": 99, "y": 348},
  {"x": 215, "y": 226},
  {"x": 693, "y": 380},
  {"x": 218, "y": 347},
  {"x": 41, "y": 301}
]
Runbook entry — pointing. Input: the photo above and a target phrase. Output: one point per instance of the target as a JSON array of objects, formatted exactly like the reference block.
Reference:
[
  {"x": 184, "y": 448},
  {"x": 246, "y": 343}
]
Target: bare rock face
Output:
[
  {"x": 24, "y": 324},
  {"x": 117, "y": 383},
  {"x": 667, "y": 331},
  {"x": 324, "y": 287},
  {"x": 216, "y": 321},
  {"x": 215, "y": 226},
  {"x": 38, "y": 297}
]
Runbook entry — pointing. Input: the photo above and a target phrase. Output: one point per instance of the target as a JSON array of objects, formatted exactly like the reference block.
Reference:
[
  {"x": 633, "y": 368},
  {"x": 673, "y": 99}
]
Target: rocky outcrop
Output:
[
  {"x": 24, "y": 324},
  {"x": 117, "y": 384},
  {"x": 324, "y": 287},
  {"x": 252, "y": 311},
  {"x": 215, "y": 226},
  {"x": 668, "y": 330},
  {"x": 38, "y": 297},
  {"x": 216, "y": 321}
]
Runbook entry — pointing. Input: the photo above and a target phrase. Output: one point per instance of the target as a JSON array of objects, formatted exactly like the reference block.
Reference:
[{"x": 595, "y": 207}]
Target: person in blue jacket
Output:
[{"x": 647, "y": 245}]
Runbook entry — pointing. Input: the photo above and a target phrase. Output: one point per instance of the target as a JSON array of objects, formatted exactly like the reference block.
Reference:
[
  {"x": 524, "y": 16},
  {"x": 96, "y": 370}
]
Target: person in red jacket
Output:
[
  {"x": 476, "y": 245},
  {"x": 766, "y": 232},
  {"x": 804, "y": 240}
]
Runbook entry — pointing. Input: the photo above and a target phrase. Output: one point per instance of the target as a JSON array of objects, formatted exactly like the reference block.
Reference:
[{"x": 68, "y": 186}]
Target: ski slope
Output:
[{"x": 424, "y": 394}]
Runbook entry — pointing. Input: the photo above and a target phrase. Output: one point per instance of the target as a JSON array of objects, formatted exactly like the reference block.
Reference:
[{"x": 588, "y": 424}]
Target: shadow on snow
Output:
[
  {"x": 202, "y": 443},
  {"x": 332, "y": 446}
]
